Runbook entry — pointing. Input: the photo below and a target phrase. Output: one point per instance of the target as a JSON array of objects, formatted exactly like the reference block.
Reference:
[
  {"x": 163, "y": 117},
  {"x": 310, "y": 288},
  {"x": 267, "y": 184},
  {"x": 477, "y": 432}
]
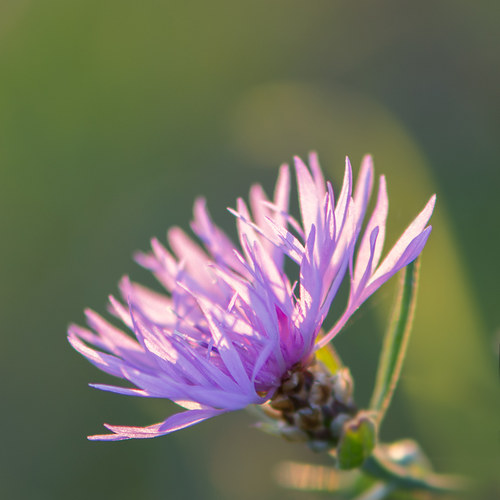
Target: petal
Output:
[
  {"x": 344, "y": 198},
  {"x": 308, "y": 196},
  {"x": 363, "y": 189},
  {"x": 282, "y": 189},
  {"x": 377, "y": 220},
  {"x": 155, "y": 306},
  {"x": 171, "y": 424},
  {"x": 105, "y": 362},
  {"x": 413, "y": 230},
  {"x": 216, "y": 241},
  {"x": 319, "y": 180},
  {"x": 229, "y": 354},
  {"x": 411, "y": 252},
  {"x": 126, "y": 391}
]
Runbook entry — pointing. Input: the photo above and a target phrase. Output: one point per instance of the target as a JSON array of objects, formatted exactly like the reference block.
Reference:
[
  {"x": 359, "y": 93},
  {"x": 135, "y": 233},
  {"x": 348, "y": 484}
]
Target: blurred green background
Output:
[{"x": 114, "y": 115}]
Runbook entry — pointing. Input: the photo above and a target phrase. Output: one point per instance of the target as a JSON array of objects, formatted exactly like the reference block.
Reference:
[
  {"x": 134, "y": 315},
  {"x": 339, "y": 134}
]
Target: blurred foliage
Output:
[{"x": 115, "y": 115}]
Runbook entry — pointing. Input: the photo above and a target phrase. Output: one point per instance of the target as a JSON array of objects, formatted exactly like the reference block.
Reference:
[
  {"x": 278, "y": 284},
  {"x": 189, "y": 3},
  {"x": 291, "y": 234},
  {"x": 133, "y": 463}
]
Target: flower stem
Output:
[{"x": 396, "y": 341}]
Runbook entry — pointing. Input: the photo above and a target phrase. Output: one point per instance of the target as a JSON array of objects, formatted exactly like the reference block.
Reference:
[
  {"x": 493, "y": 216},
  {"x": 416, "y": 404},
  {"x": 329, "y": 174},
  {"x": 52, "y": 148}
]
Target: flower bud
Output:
[{"x": 357, "y": 441}]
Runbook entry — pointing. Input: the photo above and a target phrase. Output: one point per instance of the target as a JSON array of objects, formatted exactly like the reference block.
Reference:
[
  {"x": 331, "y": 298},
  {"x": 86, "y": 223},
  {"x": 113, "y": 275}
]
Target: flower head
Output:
[{"x": 232, "y": 325}]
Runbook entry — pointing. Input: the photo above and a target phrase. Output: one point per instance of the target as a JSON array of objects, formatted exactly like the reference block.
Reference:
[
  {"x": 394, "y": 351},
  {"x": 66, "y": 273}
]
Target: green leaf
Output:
[{"x": 396, "y": 341}]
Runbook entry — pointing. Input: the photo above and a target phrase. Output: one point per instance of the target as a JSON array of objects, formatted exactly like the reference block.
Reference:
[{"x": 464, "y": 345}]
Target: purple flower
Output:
[{"x": 232, "y": 324}]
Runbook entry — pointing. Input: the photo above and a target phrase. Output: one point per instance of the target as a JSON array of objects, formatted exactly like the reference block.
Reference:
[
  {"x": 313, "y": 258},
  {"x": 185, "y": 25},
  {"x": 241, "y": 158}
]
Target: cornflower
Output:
[{"x": 233, "y": 330}]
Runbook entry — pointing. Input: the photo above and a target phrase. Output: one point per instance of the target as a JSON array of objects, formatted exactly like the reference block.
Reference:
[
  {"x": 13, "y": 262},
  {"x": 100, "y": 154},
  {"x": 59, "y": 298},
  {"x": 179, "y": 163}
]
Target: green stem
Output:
[{"x": 395, "y": 341}]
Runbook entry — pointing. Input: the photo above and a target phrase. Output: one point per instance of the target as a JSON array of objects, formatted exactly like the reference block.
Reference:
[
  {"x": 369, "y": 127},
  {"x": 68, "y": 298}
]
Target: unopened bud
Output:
[{"x": 357, "y": 441}]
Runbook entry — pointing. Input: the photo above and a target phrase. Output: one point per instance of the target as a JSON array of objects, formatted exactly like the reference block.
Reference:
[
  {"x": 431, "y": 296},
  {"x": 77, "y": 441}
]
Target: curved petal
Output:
[{"x": 171, "y": 424}]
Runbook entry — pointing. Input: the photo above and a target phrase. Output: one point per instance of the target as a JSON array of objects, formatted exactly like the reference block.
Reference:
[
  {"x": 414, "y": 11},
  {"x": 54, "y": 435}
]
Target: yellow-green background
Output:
[{"x": 114, "y": 115}]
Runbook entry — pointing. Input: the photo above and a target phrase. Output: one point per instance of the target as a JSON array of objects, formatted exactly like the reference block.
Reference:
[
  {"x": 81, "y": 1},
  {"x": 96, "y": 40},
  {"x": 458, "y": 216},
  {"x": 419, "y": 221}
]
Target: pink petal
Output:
[
  {"x": 413, "y": 230},
  {"x": 378, "y": 219},
  {"x": 345, "y": 197},
  {"x": 363, "y": 189},
  {"x": 171, "y": 424},
  {"x": 308, "y": 195}
]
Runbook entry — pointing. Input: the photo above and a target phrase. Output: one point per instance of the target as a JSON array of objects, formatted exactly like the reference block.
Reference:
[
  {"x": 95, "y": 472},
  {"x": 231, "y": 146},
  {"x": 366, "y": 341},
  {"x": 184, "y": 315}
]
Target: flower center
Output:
[{"x": 312, "y": 404}]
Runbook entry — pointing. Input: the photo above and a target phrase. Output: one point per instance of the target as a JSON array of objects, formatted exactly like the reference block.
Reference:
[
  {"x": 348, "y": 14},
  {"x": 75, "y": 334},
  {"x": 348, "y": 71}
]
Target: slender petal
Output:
[{"x": 171, "y": 424}]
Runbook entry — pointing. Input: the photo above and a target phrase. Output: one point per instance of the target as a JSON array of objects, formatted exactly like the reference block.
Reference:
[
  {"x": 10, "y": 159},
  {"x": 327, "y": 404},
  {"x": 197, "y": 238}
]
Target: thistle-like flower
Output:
[{"x": 233, "y": 330}]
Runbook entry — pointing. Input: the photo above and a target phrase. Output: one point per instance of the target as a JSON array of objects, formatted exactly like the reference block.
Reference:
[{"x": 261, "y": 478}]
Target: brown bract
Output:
[{"x": 312, "y": 404}]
